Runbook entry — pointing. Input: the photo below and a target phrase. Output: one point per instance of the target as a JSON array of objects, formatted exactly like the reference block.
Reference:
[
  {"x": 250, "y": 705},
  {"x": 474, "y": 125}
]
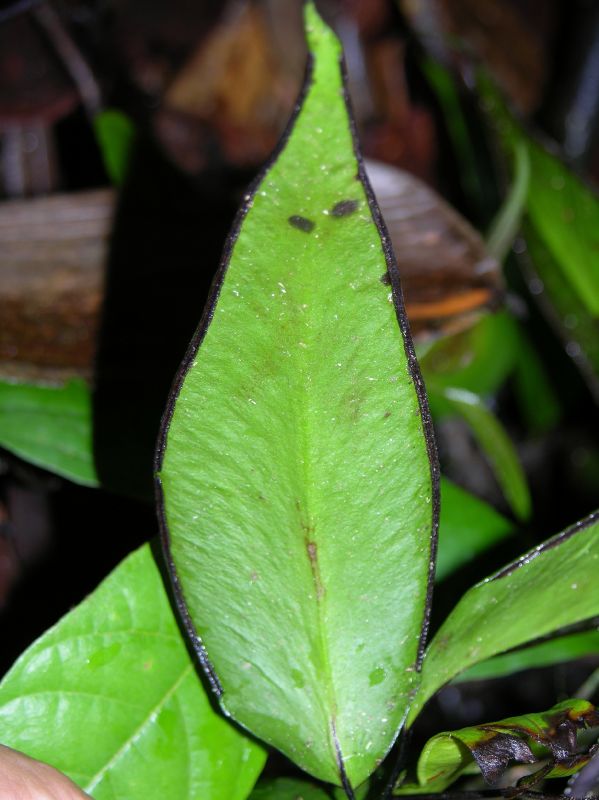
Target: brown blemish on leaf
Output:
[
  {"x": 312, "y": 550},
  {"x": 386, "y": 415}
]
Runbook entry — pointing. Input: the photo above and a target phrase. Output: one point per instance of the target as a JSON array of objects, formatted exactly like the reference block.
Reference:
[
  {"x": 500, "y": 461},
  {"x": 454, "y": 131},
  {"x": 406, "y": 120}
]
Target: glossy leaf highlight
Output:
[
  {"x": 299, "y": 498},
  {"x": 111, "y": 697}
]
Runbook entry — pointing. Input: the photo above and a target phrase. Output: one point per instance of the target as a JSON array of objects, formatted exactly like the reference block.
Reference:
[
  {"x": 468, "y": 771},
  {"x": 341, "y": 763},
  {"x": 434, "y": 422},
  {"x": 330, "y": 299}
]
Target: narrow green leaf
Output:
[
  {"x": 561, "y": 229},
  {"x": 467, "y": 527},
  {"x": 495, "y": 444},
  {"x": 563, "y": 210},
  {"x": 463, "y": 139},
  {"x": 536, "y": 396},
  {"x": 288, "y": 789},
  {"x": 507, "y": 223},
  {"x": 300, "y": 503},
  {"x": 491, "y": 748},
  {"x": 111, "y": 697},
  {"x": 115, "y": 133},
  {"x": 549, "y": 588},
  {"x": 50, "y": 426},
  {"x": 543, "y": 654}
]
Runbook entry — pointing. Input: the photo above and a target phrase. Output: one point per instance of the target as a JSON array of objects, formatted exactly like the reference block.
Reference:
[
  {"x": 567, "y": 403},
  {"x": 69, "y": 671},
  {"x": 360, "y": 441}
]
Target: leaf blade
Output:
[
  {"x": 50, "y": 426},
  {"x": 511, "y": 607},
  {"x": 312, "y": 444},
  {"x": 115, "y": 677}
]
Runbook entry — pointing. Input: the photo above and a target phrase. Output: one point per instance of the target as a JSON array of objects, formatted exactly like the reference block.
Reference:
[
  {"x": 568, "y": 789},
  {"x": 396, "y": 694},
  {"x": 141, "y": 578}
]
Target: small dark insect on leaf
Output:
[
  {"x": 301, "y": 223},
  {"x": 344, "y": 208},
  {"x": 385, "y": 278}
]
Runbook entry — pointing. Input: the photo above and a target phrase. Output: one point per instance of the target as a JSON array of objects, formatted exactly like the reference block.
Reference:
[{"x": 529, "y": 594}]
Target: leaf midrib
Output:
[
  {"x": 95, "y": 780},
  {"x": 305, "y": 361}
]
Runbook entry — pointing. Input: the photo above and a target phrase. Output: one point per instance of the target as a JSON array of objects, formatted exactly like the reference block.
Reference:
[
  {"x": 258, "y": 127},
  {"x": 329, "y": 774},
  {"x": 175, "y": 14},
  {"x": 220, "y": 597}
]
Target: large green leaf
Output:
[
  {"x": 299, "y": 499},
  {"x": 50, "y": 426},
  {"x": 549, "y": 738},
  {"x": 111, "y": 697},
  {"x": 549, "y": 588},
  {"x": 467, "y": 527}
]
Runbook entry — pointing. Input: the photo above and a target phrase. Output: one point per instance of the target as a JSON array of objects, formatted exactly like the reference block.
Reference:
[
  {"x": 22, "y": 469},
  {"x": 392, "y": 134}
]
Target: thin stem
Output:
[{"x": 71, "y": 57}]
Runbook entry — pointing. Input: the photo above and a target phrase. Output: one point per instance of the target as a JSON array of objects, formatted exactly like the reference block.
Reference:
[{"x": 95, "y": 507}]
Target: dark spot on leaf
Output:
[
  {"x": 344, "y": 208},
  {"x": 385, "y": 278},
  {"x": 301, "y": 223},
  {"x": 386, "y": 415}
]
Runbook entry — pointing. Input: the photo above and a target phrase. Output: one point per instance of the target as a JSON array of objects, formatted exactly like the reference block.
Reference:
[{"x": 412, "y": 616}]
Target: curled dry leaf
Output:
[
  {"x": 448, "y": 278},
  {"x": 53, "y": 252},
  {"x": 549, "y": 740}
]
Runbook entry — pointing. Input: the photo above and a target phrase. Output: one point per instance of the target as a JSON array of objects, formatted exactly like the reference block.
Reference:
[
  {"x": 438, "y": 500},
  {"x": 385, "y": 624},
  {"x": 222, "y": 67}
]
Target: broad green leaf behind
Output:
[
  {"x": 111, "y": 697},
  {"x": 50, "y": 426}
]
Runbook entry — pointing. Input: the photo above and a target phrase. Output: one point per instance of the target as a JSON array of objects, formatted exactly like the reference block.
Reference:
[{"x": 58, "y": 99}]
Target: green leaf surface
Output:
[
  {"x": 50, "y": 426},
  {"x": 293, "y": 789},
  {"x": 549, "y": 588},
  {"x": 111, "y": 697},
  {"x": 288, "y": 789},
  {"x": 543, "y": 654},
  {"x": 471, "y": 359},
  {"x": 115, "y": 133},
  {"x": 495, "y": 444},
  {"x": 299, "y": 498},
  {"x": 561, "y": 229},
  {"x": 557, "y": 298},
  {"x": 491, "y": 748},
  {"x": 467, "y": 527},
  {"x": 563, "y": 210},
  {"x": 536, "y": 397}
]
